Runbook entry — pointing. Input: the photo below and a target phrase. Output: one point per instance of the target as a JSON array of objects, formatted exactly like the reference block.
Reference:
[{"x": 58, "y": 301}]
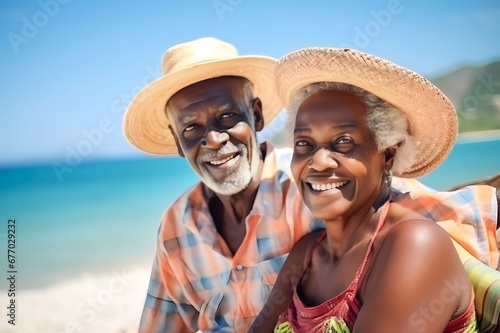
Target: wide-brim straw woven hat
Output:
[
  {"x": 146, "y": 124},
  {"x": 432, "y": 119}
]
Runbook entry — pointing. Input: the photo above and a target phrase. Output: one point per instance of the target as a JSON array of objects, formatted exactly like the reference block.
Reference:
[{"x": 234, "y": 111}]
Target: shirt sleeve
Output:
[{"x": 161, "y": 313}]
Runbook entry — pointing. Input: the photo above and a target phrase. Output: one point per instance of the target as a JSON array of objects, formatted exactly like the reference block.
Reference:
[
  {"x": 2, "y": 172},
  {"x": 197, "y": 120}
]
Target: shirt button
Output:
[{"x": 239, "y": 267}]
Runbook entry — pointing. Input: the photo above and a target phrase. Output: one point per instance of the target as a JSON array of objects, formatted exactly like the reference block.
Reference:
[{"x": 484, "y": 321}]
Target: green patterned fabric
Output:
[
  {"x": 486, "y": 283},
  {"x": 332, "y": 325},
  {"x": 283, "y": 328},
  {"x": 336, "y": 325}
]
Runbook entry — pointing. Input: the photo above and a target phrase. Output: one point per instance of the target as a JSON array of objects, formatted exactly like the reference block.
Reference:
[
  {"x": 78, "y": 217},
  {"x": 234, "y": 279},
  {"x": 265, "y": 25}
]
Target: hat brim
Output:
[
  {"x": 432, "y": 119},
  {"x": 146, "y": 124}
]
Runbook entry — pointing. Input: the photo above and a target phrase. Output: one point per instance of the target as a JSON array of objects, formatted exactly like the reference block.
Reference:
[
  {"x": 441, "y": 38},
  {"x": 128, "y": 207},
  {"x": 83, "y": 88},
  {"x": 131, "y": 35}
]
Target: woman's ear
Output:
[
  {"x": 257, "y": 114},
  {"x": 179, "y": 149},
  {"x": 389, "y": 154}
]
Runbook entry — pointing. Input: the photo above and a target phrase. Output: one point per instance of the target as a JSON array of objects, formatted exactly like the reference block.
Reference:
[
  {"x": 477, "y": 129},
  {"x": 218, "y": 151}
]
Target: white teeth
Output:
[
  {"x": 324, "y": 187},
  {"x": 219, "y": 162}
]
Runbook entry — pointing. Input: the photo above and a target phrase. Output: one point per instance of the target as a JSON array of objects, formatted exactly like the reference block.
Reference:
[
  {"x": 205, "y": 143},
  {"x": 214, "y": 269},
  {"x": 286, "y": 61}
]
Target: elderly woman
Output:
[{"x": 377, "y": 267}]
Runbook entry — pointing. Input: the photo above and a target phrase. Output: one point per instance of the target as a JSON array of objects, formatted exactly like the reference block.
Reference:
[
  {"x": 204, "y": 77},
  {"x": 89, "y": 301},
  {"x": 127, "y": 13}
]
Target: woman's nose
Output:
[{"x": 322, "y": 159}]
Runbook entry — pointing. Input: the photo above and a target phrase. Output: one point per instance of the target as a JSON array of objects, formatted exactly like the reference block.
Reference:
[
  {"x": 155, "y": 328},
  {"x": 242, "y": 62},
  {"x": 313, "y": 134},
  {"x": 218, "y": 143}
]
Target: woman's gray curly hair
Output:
[{"x": 387, "y": 123}]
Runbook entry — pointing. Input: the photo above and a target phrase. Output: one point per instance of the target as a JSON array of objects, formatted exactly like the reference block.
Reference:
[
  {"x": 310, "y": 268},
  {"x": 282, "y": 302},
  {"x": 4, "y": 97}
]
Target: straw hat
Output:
[
  {"x": 432, "y": 120},
  {"x": 146, "y": 124}
]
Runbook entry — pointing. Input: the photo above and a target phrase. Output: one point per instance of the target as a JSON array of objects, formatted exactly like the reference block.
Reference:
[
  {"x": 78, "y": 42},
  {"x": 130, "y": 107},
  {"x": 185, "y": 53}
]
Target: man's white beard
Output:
[{"x": 236, "y": 180}]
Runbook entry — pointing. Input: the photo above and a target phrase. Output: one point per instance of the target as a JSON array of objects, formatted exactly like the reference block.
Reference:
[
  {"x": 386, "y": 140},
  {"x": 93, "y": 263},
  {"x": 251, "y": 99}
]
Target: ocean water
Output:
[
  {"x": 470, "y": 159},
  {"x": 104, "y": 215},
  {"x": 101, "y": 216}
]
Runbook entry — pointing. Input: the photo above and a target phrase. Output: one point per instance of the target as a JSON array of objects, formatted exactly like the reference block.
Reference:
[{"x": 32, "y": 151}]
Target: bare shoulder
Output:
[
  {"x": 416, "y": 251},
  {"x": 415, "y": 268},
  {"x": 295, "y": 263},
  {"x": 416, "y": 254},
  {"x": 416, "y": 274},
  {"x": 411, "y": 238},
  {"x": 303, "y": 247}
]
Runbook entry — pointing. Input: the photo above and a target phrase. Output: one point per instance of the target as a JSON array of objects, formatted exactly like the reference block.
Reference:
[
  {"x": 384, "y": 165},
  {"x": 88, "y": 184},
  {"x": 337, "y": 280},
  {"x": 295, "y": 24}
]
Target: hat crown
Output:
[
  {"x": 199, "y": 51},
  {"x": 146, "y": 124},
  {"x": 431, "y": 118}
]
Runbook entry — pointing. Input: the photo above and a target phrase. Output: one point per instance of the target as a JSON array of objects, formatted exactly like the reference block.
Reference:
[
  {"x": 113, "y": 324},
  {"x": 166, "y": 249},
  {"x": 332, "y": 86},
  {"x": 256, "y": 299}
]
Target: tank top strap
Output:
[{"x": 382, "y": 216}]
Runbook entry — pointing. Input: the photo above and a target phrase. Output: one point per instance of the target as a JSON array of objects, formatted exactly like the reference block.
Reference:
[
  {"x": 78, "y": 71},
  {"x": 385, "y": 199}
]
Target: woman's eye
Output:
[
  {"x": 344, "y": 140},
  {"x": 343, "y": 145}
]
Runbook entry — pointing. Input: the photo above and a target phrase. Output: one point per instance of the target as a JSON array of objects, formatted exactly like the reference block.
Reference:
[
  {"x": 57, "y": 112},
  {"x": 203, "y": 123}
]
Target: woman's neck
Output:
[{"x": 345, "y": 232}]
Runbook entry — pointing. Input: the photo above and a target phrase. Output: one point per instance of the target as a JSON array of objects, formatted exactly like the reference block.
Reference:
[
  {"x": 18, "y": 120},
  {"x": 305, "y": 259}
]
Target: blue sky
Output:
[{"x": 69, "y": 67}]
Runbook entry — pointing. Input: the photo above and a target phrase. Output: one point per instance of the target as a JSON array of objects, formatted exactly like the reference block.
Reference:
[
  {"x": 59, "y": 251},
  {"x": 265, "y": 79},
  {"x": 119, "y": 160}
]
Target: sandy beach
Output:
[
  {"x": 478, "y": 136},
  {"x": 110, "y": 303}
]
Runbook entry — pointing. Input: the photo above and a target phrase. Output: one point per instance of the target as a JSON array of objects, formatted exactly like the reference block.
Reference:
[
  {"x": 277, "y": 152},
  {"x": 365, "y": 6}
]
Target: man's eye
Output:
[
  {"x": 190, "y": 128},
  {"x": 301, "y": 143},
  {"x": 227, "y": 115},
  {"x": 229, "y": 119},
  {"x": 302, "y": 146},
  {"x": 192, "y": 132}
]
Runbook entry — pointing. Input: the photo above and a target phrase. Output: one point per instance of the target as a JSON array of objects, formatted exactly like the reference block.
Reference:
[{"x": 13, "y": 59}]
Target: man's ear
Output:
[
  {"x": 257, "y": 114},
  {"x": 389, "y": 154},
  {"x": 179, "y": 149}
]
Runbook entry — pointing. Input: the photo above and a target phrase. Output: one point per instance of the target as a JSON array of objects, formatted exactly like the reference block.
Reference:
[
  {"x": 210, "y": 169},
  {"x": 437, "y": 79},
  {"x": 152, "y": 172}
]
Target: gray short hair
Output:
[
  {"x": 248, "y": 93},
  {"x": 387, "y": 123}
]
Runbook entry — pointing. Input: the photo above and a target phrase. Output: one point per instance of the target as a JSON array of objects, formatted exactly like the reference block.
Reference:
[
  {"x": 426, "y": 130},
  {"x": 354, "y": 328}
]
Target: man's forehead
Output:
[
  {"x": 217, "y": 94},
  {"x": 232, "y": 85},
  {"x": 203, "y": 103},
  {"x": 213, "y": 95},
  {"x": 191, "y": 111}
]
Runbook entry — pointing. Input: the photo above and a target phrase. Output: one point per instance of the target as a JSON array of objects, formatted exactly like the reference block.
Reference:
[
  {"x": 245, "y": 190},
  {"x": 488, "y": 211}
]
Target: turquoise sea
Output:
[
  {"x": 104, "y": 215},
  {"x": 101, "y": 216}
]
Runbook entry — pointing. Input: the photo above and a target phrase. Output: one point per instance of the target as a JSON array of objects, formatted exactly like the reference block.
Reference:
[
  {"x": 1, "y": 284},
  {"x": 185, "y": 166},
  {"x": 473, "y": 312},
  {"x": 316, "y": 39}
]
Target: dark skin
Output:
[
  {"x": 206, "y": 118},
  {"x": 340, "y": 174}
]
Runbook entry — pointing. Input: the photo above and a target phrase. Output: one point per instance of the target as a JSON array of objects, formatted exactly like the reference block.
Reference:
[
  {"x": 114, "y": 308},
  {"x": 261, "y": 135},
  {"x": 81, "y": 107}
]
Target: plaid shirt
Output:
[
  {"x": 468, "y": 214},
  {"x": 197, "y": 284}
]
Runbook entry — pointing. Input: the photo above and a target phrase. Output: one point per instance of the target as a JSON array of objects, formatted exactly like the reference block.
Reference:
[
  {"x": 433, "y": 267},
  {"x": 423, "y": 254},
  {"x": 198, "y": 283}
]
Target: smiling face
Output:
[
  {"x": 335, "y": 162},
  {"x": 214, "y": 124}
]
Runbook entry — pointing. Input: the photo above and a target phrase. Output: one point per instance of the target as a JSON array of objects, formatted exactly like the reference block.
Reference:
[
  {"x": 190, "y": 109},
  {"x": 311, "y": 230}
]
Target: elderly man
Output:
[{"x": 221, "y": 244}]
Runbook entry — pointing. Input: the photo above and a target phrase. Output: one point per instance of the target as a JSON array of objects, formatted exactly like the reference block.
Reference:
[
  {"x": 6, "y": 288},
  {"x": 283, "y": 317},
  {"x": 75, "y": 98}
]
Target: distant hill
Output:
[{"x": 475, "y": 93}]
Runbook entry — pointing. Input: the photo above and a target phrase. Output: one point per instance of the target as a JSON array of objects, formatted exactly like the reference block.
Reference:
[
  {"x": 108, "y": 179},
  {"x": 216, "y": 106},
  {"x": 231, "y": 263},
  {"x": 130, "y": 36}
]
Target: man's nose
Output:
[{"x": 215, "y": 139}]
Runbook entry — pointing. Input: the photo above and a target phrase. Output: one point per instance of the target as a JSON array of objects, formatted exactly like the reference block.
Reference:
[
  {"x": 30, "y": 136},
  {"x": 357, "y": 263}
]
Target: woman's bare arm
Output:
[{"x": 282, "y": 292}]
